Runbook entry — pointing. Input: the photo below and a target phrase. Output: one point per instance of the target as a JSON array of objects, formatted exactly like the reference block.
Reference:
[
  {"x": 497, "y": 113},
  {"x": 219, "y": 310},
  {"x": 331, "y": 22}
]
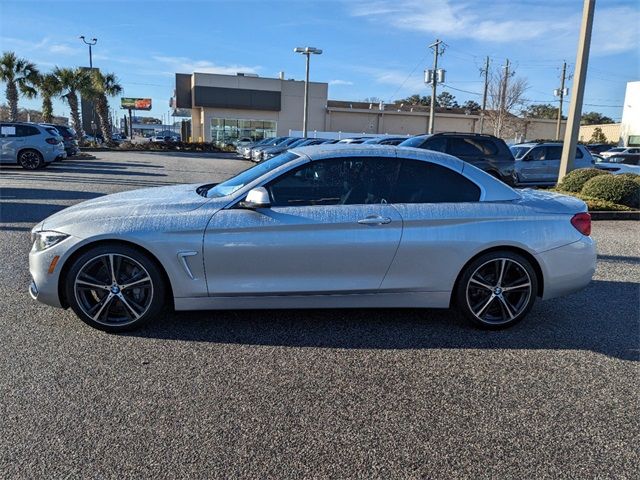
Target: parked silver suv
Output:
[
  {"x": 29, "y": 145},
  {"x": 539, "y": 163}
]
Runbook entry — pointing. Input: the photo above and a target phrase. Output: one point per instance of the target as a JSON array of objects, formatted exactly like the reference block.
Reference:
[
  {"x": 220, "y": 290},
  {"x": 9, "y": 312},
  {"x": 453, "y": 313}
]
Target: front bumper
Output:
[
  {"x": 44, "y": 284},
  {"x": 569, "y": 268}
]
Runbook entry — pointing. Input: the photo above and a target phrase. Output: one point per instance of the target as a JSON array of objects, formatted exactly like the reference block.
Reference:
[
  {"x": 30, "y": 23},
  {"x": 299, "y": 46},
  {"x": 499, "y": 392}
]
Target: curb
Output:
[
  {"x": 615, "y": 215},
  {"x": 105, "y": 149}
]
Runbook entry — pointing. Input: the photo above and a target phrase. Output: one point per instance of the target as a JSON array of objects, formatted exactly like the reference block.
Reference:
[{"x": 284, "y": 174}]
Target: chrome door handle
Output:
[{"x": 374, "y": 220}]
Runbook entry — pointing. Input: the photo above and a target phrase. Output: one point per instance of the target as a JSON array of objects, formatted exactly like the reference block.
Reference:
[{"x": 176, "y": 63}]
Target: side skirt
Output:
[{"x": 360, "y": 300}]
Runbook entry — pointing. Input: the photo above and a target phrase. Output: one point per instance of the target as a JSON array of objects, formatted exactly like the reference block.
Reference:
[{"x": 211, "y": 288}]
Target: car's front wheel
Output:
[
  {"x": 497, "y": 289},
  {"x": 30, "y": 160},
  {"x": 115, "y": 288}
]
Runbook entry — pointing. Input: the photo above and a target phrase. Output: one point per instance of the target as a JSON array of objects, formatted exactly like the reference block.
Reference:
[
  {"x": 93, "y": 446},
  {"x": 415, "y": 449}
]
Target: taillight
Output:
[
  {"x": 52, "y": 141},
  {"x": 582, "y": 223}
]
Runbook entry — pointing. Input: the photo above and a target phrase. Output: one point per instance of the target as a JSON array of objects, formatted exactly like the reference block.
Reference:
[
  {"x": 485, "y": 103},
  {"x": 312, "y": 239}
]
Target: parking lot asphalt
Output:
[{"x": 309, "y": 393}]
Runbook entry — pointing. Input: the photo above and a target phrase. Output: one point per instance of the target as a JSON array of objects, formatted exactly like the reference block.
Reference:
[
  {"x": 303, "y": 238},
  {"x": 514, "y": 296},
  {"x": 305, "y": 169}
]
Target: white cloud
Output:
[
  {"x": 62, "y": 49},
  {"x": 188, "y": 65},
  {"x": 340, "y": 82},
  {"x": 615, "y": 28}
]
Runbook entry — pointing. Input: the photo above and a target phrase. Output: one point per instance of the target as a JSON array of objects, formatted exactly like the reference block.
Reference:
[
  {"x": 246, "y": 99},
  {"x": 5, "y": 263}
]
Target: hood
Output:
[
  {"x": 135, "y": 203},
  {"x": 550, "y": 202}
]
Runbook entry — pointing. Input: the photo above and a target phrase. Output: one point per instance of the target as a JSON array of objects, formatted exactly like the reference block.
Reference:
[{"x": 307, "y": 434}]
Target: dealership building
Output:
[{"x": 224, "y": 108}]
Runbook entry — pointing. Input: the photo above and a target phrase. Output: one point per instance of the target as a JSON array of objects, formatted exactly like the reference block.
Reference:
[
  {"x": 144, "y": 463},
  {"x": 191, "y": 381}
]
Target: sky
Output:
[{"x": 374, "y": 48}]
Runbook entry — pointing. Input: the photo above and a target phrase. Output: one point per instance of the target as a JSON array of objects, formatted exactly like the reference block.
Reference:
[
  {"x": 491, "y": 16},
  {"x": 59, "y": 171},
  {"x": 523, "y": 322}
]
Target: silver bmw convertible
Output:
[{"x": 327, "y": 226}]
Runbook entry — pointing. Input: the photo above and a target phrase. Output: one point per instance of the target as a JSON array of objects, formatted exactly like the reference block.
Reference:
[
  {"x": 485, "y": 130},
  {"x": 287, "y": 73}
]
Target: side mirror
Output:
[
  {"x": 256, "y": 198},
  {"x": 528, "y": 157}
]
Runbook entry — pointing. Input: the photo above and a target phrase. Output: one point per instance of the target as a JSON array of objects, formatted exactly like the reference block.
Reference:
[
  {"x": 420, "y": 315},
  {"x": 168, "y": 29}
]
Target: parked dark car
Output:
[
  {"x": 69, "y": 138},
  {"x": 598, "y": 148},
  {"x": 484, "y": 151}
]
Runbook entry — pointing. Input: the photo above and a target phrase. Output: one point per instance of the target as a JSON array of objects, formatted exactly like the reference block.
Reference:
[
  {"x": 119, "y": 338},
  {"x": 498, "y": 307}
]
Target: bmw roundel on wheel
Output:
[{"x": 323, "y": 226}]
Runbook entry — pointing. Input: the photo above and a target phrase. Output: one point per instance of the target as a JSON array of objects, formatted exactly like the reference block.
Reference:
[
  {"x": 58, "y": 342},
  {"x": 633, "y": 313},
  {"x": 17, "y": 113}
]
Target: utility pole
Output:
[
  {"x": 580, "y": 75},
  {"x": 484, "y": 94},
  {"x": 502, "y": 111},
  {"x": 434, "y": 82},
  {"x": 561, "y": 94}
]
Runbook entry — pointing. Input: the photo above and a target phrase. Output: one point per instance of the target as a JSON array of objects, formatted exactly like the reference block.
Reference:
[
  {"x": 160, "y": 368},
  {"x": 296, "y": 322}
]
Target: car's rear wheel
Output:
[
  {"x": 30, "y": 160},
  {"x": 115, "y": 288},
  {"x": 497, "y": 289}
]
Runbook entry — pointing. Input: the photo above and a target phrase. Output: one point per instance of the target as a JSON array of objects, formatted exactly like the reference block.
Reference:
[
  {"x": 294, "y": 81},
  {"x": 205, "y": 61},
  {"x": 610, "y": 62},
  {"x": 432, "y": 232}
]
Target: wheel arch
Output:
[
  {"x": 97, "y": 243},
  {"x": 26, "y": 149},
  {"x": 508, "y": 248}
]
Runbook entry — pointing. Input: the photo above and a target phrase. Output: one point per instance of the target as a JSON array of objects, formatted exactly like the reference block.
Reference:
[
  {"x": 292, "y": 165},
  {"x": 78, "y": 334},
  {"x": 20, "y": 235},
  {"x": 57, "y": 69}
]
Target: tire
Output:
[
  {"x": 136, "y": 297},
  {"x": 30, "y": 159},
  {"x": 493, "y": 303}
]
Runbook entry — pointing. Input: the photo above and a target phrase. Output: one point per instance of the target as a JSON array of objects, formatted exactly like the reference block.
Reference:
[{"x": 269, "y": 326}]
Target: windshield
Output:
[
  {"x": 519, "y": 152},
  {"x": 248, "y": 176},
  {"x": 413, "y": 142},
  {"x": 617, "y": 149}
]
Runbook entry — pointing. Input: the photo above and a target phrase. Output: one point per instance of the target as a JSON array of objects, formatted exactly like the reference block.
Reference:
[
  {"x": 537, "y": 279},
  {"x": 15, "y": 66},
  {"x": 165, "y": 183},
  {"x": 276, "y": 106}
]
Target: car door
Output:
[
  {"x": 532, "y": 167},
  {"x": 329, "y": 229},
  {"x": 10, "y": 143}
]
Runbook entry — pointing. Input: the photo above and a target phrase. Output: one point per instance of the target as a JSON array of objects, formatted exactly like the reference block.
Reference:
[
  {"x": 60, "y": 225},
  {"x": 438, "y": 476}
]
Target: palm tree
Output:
[
  {"x": 20, "y": 75},
  {"x": 73, "y": 82},
  {"x": 48, "y": 86},
  {"x": 104, "y": 86}
]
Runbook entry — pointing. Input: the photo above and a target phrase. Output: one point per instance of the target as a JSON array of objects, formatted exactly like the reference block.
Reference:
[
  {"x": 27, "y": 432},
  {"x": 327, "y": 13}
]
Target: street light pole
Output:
[
  {"x": 307, "y": 51},
  {"x": 91, "y": 43}
]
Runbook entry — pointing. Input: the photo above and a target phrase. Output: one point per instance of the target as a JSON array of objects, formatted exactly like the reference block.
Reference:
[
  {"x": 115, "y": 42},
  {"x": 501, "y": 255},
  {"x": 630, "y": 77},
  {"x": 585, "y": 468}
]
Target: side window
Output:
[
  {"x": 339, "y": 181},
  {"x": 538, "y": 153},
  {"x": 465, "y": 147},
  {"x": 553, "y": 153},
  {"x": 578, "y": 153},
  {"x": 425, "y": 182},
  {"x": 488, "y": 146},
  {"x": 26, "y": 131},
  {"x": 437, "y": 144}
]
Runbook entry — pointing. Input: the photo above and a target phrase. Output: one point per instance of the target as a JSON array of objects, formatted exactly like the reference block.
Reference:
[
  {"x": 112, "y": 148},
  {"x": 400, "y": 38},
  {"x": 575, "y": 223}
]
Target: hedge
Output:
[
  {"x": 614, "y": 188},
  {"x": 575, "y": 180}
]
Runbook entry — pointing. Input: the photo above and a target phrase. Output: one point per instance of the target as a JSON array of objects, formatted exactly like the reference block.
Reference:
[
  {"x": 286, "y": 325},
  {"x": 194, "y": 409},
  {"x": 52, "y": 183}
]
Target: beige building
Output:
[
  {"x": 610, "y": 130},
  {"x": 225, "y": 108}
]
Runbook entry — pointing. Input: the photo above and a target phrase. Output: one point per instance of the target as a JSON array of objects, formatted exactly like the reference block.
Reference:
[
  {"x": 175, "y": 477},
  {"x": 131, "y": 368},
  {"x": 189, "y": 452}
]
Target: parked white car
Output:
[
  {"x": 539, "y": 163},
  {"x": 621, "y": 163},
  {"x": 29, "y": 145},
  {"x": 325, "y": 226},
  {"x": 619, "y": 150}
]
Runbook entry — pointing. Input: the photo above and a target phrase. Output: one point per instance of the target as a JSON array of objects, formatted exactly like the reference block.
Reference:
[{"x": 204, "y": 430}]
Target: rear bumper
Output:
[{"x": 569, "y": 268}]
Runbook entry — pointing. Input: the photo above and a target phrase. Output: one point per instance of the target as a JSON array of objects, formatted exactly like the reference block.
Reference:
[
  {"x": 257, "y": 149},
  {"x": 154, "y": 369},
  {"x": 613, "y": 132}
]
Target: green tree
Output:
[
  {"x": 542, "y": 110},
  {"x": 446, "y": 100},
  {"x": 598, "y": 136},
  {"x": 104, "y": 86},
  {"x": 471, "y": 105},
  {"x": 20, "y": 75},
  {"x": 48, "y": 87},
  {"x": 594, "y": 118},
  {"x": 415, "y": 99},
  {"x": 73, "y": 82}
]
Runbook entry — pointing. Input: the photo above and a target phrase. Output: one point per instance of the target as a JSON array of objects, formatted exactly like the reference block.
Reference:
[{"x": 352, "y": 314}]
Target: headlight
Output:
[{"x": 44, "y": 240}]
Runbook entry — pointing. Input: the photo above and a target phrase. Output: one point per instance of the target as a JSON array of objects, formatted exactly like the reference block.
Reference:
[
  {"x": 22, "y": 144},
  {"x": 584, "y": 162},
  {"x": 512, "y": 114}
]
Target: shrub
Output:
[
  {"x": 614, "y": 188},
  {"x": 575, "y": 180},
  {"x": 633, "y": 176}
]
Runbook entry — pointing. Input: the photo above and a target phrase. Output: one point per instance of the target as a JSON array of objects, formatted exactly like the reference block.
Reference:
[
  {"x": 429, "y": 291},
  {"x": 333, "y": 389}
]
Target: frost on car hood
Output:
[{"x": 146, "y": 202}]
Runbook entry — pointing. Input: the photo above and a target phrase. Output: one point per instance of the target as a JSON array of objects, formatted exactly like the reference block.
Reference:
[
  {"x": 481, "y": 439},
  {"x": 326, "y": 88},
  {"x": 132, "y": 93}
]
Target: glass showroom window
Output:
[{"x": 225, "y": 131}]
